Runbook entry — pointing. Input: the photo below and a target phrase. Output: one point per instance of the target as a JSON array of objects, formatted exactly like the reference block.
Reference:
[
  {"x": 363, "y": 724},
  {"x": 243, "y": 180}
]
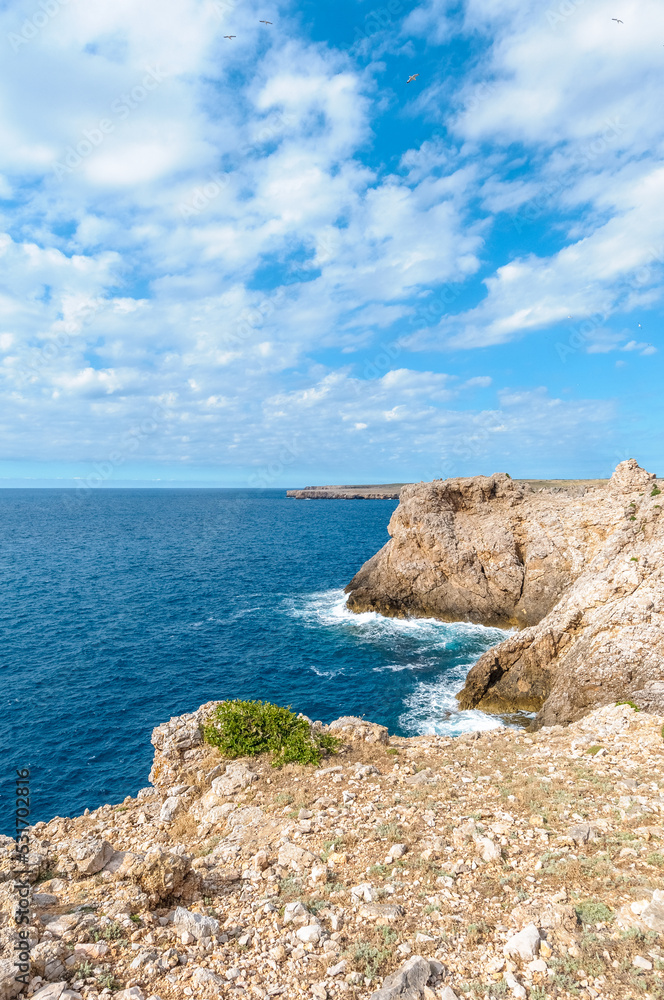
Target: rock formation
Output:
[
  {"x": 577, "y": 572},
  {"x": 430, "y": 868}
]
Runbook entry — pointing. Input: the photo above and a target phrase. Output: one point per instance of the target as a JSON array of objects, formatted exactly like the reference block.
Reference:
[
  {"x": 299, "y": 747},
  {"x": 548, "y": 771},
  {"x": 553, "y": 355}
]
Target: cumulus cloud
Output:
[{"x": 209, "y": 236}]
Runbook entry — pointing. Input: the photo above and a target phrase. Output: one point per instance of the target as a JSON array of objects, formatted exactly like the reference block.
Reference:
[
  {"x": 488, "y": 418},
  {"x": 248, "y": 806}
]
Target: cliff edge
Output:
[
  {"x": 430, "y": 868},
  {"x": 578, "y": 572}
]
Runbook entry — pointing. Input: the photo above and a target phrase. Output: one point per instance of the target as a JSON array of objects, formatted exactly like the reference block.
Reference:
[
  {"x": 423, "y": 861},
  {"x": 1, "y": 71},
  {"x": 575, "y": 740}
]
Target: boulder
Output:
[
  {"x": 206, "y": 977},
  {"x": 237, "y": 777},
  {"x": 160, "y": 874},
  {"x": 9, "y": 987},
  {"x": 197, "y": 924},
  {"x": 353, "y": 728},
  {"x": 653, "y": 915},
  {"x": 53, "y": 991},
  {"x": 294, "y": 857},
  {"x": 86, "y": 856},
  {"x": 407, "y": 983}
]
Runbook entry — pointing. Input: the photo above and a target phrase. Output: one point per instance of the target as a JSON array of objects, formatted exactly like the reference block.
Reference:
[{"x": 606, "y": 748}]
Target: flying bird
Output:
[
  {"x": 617, "y": 20},
  {"x": 266, "y": 22},
  {"x": 230, "y": 36},
  {"x": 413, "y": 77}
]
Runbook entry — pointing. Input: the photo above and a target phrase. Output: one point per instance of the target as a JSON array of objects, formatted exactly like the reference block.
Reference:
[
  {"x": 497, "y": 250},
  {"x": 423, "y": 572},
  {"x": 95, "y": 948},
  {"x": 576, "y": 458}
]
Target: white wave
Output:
[
  {"x": 394, "y": 668},
  {"x": 325, "y": 673},
  {"x": 329, "y": 608},
  {"x": 431, "y": 707}
]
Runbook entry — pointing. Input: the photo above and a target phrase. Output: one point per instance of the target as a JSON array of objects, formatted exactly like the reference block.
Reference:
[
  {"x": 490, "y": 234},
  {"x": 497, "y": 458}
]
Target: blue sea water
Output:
[{"x": 126, "y": 607}]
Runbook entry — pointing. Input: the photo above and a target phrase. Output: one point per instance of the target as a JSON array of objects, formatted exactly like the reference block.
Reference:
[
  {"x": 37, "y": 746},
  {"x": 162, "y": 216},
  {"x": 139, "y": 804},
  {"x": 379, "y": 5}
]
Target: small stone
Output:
[
  {"x": 448, "y": 994},
  {"x": 296, "y": 913},
  {"x": 365, "y": 891},
  {"x": 514, "y": 985},
  {"x": 310, "y": 934},
  {"x": 524, "y": 945},
  {"x": 397, "y": 851},
  {"x": 338, "y": 969},
  {"x": 546, "y": 951},
  {"x": 653, "y": 915},
  {"x": 641, "y": 963},
  {"x": 488, "y": 849}
]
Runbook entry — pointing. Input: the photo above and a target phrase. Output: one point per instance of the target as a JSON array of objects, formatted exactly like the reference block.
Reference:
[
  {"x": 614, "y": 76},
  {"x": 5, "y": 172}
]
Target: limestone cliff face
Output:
[{"x": 579, "y": 575}]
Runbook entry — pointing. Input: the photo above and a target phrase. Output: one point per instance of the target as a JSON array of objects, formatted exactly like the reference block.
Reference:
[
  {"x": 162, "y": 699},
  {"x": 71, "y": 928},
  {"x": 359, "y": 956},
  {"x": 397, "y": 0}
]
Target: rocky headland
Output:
[
  {"x": 389, "y": 491},
  {"x": 497, "y": 864},
  {"x": 576, "y": 571}
]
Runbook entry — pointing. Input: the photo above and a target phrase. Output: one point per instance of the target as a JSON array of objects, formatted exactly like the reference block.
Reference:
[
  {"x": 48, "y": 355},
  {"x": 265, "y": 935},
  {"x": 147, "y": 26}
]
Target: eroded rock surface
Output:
[
  {"x": 578, "y": 572},
  {"x": 352, "y": 882}
]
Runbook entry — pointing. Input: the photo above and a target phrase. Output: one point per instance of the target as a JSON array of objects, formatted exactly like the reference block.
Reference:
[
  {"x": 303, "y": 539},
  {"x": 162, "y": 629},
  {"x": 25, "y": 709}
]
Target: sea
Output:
[{"x": 122, "y": 608}]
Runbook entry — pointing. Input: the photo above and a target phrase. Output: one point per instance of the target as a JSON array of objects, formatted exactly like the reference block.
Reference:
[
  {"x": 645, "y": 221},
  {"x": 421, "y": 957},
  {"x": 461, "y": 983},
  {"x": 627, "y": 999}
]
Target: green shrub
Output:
[
  {"x": 248, "y": 728},
  {"x": 592, "y": 911},
  {"x": 368, "y": 958},
  {"x": 630, "y": 703},
  {"x": 655, "y": 492}
]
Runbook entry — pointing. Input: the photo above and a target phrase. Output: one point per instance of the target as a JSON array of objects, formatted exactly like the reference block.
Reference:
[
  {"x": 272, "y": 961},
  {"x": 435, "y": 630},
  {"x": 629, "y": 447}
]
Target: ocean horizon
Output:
[{"x": 124, "y": 607}]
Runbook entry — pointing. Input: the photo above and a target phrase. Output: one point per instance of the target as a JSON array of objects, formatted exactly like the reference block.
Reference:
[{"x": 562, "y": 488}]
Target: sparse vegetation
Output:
[
  {"x": 390, "y": 831},
  {"x": 593, "y": 911},
  {"x": 369, "y": 958},
  {"x": 249, "y": 728},
  {"x": 630, "y": 703},
  {"x": 108, "y": 981}
]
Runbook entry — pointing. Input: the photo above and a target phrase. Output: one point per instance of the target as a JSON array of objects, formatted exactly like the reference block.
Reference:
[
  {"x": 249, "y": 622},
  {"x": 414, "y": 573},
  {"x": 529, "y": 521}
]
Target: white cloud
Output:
[{"x": 224, "y": 228}]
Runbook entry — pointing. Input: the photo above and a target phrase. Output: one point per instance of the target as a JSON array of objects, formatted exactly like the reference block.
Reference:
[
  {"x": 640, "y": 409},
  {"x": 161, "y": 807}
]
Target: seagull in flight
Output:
[
  {"x": 413, "y": 77},
  {"x": 266, "y": 22},
  {"x": 617, "y": 20},
  {"x": 230, "y": 36}
]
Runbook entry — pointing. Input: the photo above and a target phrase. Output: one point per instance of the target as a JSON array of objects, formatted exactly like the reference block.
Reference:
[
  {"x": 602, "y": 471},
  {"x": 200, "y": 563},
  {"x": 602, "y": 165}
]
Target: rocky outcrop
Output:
[
  {"x": 390, "y": 492},
  {"x": 579, "y": 573},
  {"x": 350, "y": 881}
]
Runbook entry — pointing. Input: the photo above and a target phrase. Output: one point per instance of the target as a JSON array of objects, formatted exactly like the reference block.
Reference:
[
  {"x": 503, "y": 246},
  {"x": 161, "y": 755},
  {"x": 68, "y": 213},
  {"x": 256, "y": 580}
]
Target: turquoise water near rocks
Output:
[{"x": 125, "y": 607}]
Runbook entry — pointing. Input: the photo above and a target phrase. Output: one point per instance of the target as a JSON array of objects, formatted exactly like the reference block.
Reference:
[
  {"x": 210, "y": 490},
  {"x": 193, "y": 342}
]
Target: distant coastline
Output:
[
  {"x": 389, "y": 491},
  {"x": 392, "y": 491}
]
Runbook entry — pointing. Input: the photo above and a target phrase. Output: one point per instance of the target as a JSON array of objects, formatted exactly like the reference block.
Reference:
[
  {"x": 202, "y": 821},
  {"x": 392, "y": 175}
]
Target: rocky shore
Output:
[
  {"x": 576, "y": 572},
  {"x": 499, "y": 864}
]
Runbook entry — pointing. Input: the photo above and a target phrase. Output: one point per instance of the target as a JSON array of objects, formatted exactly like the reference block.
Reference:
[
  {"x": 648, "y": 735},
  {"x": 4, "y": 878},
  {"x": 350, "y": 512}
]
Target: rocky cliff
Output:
[
  {"x": 491, "y": 865},
  {"x": 578, "y": 573}
]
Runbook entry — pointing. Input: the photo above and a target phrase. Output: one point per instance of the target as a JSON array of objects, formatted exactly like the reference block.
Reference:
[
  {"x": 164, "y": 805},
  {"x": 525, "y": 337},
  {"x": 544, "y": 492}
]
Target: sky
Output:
[{"x": 269, "y": 260}]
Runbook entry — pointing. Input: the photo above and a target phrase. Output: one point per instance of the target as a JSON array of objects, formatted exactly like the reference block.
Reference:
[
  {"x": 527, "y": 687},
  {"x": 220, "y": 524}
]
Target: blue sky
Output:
[{"x": 270, "y": 261}]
